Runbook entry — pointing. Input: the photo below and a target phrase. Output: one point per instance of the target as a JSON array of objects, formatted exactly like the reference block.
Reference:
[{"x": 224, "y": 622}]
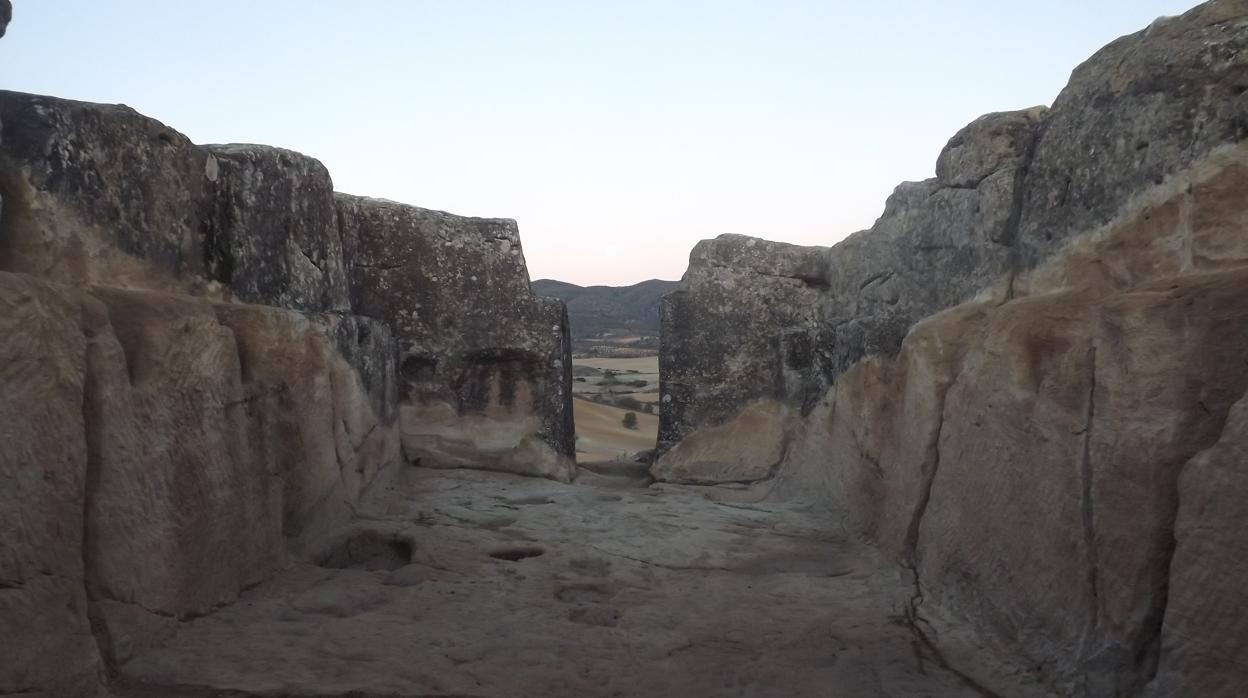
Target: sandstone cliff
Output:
[
  {"x": 1022, "y": 380},
  {"x": 210, "y": 359}
]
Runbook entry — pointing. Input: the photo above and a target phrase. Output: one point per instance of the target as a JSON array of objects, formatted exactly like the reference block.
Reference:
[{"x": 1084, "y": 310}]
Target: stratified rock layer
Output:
[{"x": 1025, "y": 369}]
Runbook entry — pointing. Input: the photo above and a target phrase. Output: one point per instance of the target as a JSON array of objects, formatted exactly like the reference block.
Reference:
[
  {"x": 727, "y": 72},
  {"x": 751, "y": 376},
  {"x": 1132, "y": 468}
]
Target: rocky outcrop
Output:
[
  {"x": 789, "y": 319},
  {"x": 1024, "y": 456},
  {"x": 102, "y": 194},
  {"x": 1031, "y": 363},
  {"x": 484, "y": 365},
  {"x": 47, "y": 644},
  {"x": 203, "y": 439},
  {"x": 6, "y": 15},
  {"x": 1201, "y": 642},
  {"x": 762, "y": 300},
  {"x": 272, "y": 238},
  {"x": 1011, "y": 189},
  {"x": 208, "y": 367}
]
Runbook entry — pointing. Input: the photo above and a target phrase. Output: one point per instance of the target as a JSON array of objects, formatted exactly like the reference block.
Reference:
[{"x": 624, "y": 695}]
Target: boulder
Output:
[
  {"x": 739, "y": 330},
  {"x": 100, "y": 194},
  {"x": 97, "y": 193},
  {"x": 274, "y": 237},
  {"x": 1140, "y": 110},
  {"x": 484, "y": 365},
  {"x": 762, "y": 320}
]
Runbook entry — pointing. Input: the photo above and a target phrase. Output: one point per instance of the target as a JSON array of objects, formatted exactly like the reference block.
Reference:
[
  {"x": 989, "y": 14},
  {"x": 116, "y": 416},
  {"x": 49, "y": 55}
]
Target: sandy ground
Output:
[
  {"x": 462, "y": 583},
  {"x": 601, "y": 435}
]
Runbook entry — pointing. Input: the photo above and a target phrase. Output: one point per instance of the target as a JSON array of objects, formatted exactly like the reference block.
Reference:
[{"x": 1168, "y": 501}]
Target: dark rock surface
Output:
[
  {"x": 101, "y": 194},
  {"x": 756, "y": 320},
  {"x": 273, "y": 238},
  {"x": 1140, "y": 109},
  {"x": 743, "y": 327},
  {"x": 481, "y": 358},
  {"x": 6, "y": 15},
  {"x": 1010, "y": 190},
  {"x": 97, "y": 193}
]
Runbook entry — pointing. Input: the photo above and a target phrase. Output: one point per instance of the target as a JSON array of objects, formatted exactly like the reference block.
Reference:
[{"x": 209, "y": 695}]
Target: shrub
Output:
[{"x": 630, "y": 420}]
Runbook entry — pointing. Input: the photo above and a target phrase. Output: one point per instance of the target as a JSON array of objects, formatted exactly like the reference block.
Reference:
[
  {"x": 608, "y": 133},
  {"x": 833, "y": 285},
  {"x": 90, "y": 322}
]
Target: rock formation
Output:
[
  {"x": 1025, "y": 384},
  {"x": 210, "y": 359},
  {"x": 1022, "y": 381},
  {"x": 485, "y": 366}
]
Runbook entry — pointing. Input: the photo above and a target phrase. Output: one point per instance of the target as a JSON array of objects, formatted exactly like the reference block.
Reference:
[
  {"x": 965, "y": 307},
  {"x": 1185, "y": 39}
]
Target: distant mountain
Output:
[{"x": 598, "y": 310}]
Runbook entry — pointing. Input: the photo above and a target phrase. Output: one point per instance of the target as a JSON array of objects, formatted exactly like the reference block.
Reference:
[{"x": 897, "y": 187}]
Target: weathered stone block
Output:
[{"x": 484, "y": 365}]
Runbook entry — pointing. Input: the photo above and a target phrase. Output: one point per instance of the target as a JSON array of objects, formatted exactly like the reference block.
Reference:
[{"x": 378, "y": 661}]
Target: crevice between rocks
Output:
[
  {"x": 806, "y": 280},
  {"x": 911, "y": 617},
  {"x": 911, "y": 542},
  {"x": 1013, "y": 223},
  {"x": 1088, "y": 511},
  {"x": 91, "y": 479},
  {"x": 1148, "y": 648}
]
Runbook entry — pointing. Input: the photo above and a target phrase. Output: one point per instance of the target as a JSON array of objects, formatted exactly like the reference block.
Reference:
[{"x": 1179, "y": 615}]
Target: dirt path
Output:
[{"x": 477, "y": 584}]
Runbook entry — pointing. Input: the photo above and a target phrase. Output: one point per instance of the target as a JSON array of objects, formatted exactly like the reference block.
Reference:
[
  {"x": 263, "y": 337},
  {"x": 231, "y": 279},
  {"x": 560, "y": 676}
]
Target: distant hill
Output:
[{"x": 598, "y": 311}]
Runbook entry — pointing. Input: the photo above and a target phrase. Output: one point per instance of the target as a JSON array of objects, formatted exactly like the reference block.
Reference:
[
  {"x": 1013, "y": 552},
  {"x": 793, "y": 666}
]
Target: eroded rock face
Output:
[
  {"x": 1037, "y": 450},
  {"x": 6, "y": 15},
  {"x": 273, "y": 238},
  {"x": 1138, "y": 111},
  {"x": 204, "y": 440},
  {"x": 1201, "y": 642},
  {"x": 1024, "y": 456},
  {"x": 762, "y": 320},
  {"x": 47, "y": 644},
  {"x": 1011, "y": 189},
  {"x": 201, "y": 384},
  {"x": 100, "y": 194},
  {"x": 97, "y": 193},
  {"x": 484, "y": 365},
  {"x": 761, "y": 300}
]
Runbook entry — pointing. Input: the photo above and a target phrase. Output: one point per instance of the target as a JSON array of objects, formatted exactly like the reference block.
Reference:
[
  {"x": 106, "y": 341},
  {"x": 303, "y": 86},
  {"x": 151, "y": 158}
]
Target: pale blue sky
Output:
[{"x": 618, "y": 133}]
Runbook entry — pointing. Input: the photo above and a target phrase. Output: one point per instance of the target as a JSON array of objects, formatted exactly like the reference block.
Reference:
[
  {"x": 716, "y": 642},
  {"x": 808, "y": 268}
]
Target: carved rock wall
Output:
[
  {"x": 207, "y": 366},
  {"x": 1034, "y": 363},
  {"x": 484, "y": 365}
]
